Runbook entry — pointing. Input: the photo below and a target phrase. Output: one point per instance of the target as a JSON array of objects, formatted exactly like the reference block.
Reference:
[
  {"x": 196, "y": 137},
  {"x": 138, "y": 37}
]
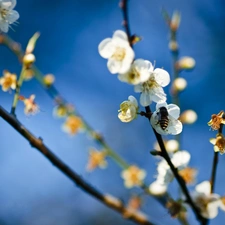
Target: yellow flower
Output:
[
  {"x": 133, "y": 176},
  {"x": 30, "y": 106},
  {"x": 8, "y": 81},
  {"x": 72, "y": 124},
  {"x": 188, "y": 174},
  {"x": 216, "y": 120},
  {"x": 219, "y": 143},
  {"x": 96, "y": 159}
]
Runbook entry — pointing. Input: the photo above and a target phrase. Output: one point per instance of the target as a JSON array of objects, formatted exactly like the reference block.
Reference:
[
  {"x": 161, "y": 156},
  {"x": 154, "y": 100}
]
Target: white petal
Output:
[
  {"x": 13, "y": 16},
  {"x": 133, "y": 100},
  {"x": 212, "y": 210},
  {"x": 119, "y": 34},
  {"x": 106, "y": 48},
  {"x": 162, "y": 77},
  {"x": 4, "y": 26},
  {"x": 174, "y": 127},
  {"x": 156, "y": 188},
  {"x": 114, "y": 66},
  {"x": 145, "y": 99},
  {"x": 158, "y": 95},
  {"x": 161, "y": 104},
  {"x": 181, "y": 159},
  {"x": 138, "y": 88},
  {"x": 142, "y": 64},
  {"x": 174, "y": 111},
  {"x": 204, "y": 187}
]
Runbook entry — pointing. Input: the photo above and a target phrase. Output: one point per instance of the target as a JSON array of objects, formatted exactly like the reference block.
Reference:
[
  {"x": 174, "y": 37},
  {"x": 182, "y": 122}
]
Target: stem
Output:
[
  {"x": 124, "y": 7},
  {"x": 37, "y": 143},
  {"x": 18, "y": 86},
  {"x": 215, "y": 163}
]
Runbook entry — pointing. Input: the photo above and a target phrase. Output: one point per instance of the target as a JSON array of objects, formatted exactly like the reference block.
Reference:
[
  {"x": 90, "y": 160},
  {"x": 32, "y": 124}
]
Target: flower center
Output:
[
  {"x": 4, "y": 13},
  {"x": 151, "y": 83},
  {"x": 119, "y": 54}
]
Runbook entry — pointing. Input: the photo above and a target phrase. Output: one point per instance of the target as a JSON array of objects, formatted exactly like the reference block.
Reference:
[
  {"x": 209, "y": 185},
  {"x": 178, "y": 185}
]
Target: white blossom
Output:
[
  {"x": 128, "y": 109},
  {"x": 118, "y": 51},
  {"x": 174, "y": 125},
  {"x": 165, "y": 176},
  {"x": 208, "y": 202},
  {"x": 138, "y": 72},
  {"x": 7, "y": 14},
  {"x": 151, "y": 90}
]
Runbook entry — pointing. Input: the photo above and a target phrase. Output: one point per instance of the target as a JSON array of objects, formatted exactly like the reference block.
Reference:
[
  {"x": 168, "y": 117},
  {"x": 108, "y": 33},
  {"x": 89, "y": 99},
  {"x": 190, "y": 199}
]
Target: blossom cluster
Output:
[{"x": 147, "y": 80}]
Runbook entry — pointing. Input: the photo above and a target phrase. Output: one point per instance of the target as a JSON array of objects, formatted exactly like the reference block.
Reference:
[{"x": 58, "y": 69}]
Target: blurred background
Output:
[{"x": 33, "y": 191}]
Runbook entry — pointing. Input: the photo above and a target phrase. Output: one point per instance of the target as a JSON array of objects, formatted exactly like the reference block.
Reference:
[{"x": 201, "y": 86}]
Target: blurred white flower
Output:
[
  {"x": 128, "y": 109},
  {"x": 7, "y": 14},
  {"x": 138, "y": 72},
  {"x": 118, "y": 52},
  {"x": 166, "y": 123},
  {"x": 151, "y": 90},
  {"x": 208, "y": 202},
  {"x": 180, "y": 160}
]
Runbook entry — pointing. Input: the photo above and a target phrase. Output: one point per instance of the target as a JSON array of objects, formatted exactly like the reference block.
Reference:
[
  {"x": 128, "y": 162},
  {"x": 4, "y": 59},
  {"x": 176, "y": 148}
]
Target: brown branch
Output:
[
  {"x": 37, "y": 143},
  {"x": 124, "y": 7},
  {"x": 215, "y": 164}
]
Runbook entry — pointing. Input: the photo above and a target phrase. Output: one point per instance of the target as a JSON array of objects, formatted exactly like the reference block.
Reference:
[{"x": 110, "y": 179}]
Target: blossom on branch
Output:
[
  {"x": 7, "y": 14},
  {"x": 72, "y": 124},
  {"x": 151, "y": 90},
  {"x": 166, "y": 121},
  {"x": 96, "y": 159},
  {"x": 118, "y": 51},
  {"x": 31, "y": 107},
  {"x": 128, "y": 109},
  {"x": 208, "y": 202},
  {"x": 8, "y": 81},
  {"x": 165, "y": 176},
  {"x": 219, "y": 143},
  {"x": 138, "y": 72},
  {"x": 133, "y": 176}
]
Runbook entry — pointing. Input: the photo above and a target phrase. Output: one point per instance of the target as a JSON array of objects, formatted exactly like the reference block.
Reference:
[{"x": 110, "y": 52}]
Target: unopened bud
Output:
[
  {"x": 175, "y": 21},
  {"x": 28, "y": 59},
  {"x": 179, "y": 84},
  {"x": 186, "y": 63},
  {"x": 49, "y": 79},
  {"x": 173, "y": 46},
  {"x": 188, "y": 117},
  {"x": 172, "y": 145}
]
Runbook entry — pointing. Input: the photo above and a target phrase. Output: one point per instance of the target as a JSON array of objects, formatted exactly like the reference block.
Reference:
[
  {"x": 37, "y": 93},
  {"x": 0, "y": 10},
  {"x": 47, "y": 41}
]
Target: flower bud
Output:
[
  {"x": 172, "y": 145},
  {"x": 186, "y": 63},
  {"x": 175, "y": 21},
  {"x": 188, "y": 117},
  {"x": 28, "y": 59},
  {"x": 179, "y": 84},
  {"x": 173, "y": 46},
  {"x": 49, "y": 79}
]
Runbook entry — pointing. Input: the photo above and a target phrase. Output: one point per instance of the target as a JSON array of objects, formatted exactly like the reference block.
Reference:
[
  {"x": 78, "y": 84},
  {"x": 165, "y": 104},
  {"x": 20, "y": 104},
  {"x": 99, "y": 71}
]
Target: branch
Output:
[
  {"x": 37, "y": 143},
  {"x": 215, "y": 164}
]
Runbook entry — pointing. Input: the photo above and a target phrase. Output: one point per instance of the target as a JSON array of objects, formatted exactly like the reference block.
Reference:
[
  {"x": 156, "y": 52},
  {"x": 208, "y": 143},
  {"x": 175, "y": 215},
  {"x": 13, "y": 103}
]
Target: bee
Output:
[{"x": 163, "y": 119}]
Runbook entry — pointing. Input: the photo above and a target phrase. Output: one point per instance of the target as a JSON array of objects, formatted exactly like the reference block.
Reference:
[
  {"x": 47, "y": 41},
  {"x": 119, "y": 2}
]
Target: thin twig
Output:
[
  {"x": 124, "y": 7},
  {"x": 215, "y": 164},
  {"x": 37, "y": 143}
]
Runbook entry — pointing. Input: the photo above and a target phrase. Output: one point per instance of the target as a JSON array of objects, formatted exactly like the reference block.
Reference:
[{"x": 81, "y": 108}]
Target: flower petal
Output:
[
  {"x": 145, "y": 99},
  {"x": 174, "y": 127},
  {"x": 162, "y": 77},
  {"x": 106, "y": 48},
  {"x": 204, "y": 187},
  {"x": 174, "y": 111},
  {"x": 13, "y": 16},
  {"x": 119, "y": 34},
  {"x": 156, "y": 188},
  {"x": 113, "y": 66},
  {"x": 133, "y": 100}
]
